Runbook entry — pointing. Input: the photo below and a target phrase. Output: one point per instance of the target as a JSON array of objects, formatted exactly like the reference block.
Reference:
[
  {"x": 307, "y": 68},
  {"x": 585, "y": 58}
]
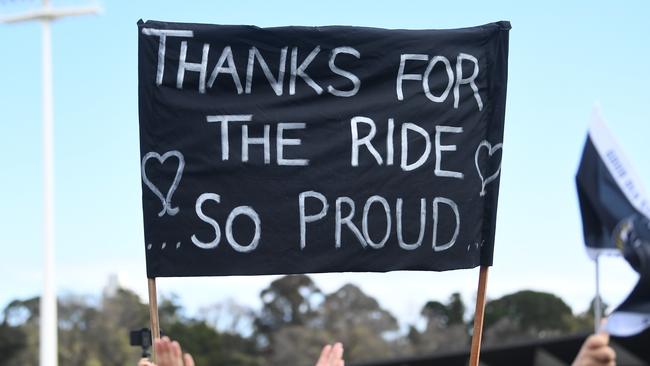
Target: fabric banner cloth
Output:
[
  {"x": 609, "y": 190},
  {"x": 319, "y": 149},
  {"x": 632, "y": 316}
]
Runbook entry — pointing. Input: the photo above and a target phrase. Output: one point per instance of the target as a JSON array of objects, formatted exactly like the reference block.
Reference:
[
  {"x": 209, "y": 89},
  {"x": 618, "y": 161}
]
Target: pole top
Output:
[{"x": 48, "y": 13}]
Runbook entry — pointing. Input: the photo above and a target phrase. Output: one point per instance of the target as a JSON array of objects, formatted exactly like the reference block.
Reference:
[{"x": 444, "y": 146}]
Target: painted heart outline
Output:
[
  {"x": 490, "y": 150},
  {"x": 166, "y": 199}
]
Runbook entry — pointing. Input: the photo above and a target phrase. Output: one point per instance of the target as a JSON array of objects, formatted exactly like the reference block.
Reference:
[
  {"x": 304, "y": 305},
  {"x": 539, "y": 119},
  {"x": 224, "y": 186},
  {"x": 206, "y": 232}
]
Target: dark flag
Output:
[
  {"x": 609, "y": 190},
  {"x": 615, "y": 214},
  {"x": 319, "y": 149},
  {"x": 633, "y": 315}
]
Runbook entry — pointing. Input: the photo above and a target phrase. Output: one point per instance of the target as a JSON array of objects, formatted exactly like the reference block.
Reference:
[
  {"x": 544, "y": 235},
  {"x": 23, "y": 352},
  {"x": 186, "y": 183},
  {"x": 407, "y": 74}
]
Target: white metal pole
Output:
[
  {"x": 597, "y": 304},
  {"x": 48, "y": 319},
  {"x": 48, "y": 350}
]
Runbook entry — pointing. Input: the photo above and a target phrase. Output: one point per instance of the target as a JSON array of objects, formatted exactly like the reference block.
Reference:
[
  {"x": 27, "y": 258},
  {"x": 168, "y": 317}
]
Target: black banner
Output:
[
  {"x": 609, "y": 190},
  {"x": 632, "y": 316},
  {"x": 319, "y": 149}
]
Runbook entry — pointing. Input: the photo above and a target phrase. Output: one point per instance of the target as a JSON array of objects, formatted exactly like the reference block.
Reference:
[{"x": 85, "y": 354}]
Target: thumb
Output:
[
  {"x": 595, "y": 341},
  {"x": 602, "y": 330},
  {"x": 188, "y": 360},
  {"x": 145, "y": 362}
]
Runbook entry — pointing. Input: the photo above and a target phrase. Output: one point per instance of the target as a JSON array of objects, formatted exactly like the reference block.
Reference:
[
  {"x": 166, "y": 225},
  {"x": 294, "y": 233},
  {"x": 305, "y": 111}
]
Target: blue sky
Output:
[{"x": 564, "y": 57}]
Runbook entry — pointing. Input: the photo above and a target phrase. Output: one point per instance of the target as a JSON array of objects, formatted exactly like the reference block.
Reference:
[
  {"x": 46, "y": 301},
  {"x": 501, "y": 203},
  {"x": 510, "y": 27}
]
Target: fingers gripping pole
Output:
[
  {"x": 153, "y": 314},
  {"x": 478, "y": 317}
]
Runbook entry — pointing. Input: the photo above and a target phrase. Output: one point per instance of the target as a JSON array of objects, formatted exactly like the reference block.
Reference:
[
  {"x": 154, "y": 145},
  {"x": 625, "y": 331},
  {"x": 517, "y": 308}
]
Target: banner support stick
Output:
[
  {"x": 597, "y": 302},
  {"x": 479, "y": 313},
  {"x": 153, "y": 315}
]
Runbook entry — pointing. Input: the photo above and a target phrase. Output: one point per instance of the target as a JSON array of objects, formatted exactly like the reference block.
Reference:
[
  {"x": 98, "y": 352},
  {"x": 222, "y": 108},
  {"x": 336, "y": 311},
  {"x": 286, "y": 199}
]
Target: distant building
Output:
[{"x": 630, "y": 351}]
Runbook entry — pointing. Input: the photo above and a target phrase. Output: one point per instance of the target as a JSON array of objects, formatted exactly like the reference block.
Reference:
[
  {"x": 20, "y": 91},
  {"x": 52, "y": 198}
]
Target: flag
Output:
[
  {"x": 319, "y": 149},
  {"x": 633, "y": 315},
  {"x": 609, "y": 191}
]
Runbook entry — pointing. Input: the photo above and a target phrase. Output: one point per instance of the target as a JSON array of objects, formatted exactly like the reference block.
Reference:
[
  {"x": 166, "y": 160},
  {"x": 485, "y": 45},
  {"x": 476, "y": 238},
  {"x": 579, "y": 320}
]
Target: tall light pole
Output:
[{"x": 48, "y": 355}]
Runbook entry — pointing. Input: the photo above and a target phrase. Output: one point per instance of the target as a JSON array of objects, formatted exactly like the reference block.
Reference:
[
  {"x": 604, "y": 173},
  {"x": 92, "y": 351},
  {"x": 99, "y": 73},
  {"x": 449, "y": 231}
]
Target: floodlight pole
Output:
[
  {"x": 48, "y": 355},
  {"x": 48, "y": 349}
]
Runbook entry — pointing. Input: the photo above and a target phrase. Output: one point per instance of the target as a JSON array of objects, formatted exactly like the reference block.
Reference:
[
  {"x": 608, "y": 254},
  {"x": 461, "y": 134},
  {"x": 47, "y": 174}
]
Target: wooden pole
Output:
[
  {"x": 153, "y": 315},
  {"x": 478, "y": 317}
]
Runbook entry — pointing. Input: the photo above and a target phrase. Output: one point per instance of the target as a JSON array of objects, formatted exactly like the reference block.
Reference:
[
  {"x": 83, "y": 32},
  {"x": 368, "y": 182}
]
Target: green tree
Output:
[
  {"x": 289, "y": 300},
  {"x": 455, "y": 310},
  {"x": 297, "y": 320},
  {"x": 99, "y": 334},
  {"x": 206, "y": 344},
  {"x": 241, "y": 351},
  {"x": 119, "y": 313},
  {"x": 169, "y": 311},
  {"x": 356, "y": 319},
  {"x": 442, "y": 315},
  {"x": 526, "y": 315},
  {"x": 445, "y": 327},
  {"x": 12, "y": 341},
  {"x": 298, "y": 345},
  {"x": 198, "y": 339},
  {"x": 229, "y": 317},
  {"x": 23, "y": 316},
  {"x": 77, "y": 331}
]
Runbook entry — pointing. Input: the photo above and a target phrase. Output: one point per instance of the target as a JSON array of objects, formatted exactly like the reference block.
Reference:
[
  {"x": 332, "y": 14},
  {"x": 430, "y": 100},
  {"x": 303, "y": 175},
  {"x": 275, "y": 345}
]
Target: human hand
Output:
[
  {"x": 331, "y": 355},
  {"x": 596, "y": 352},
  {"x": 168, "y": 353}
]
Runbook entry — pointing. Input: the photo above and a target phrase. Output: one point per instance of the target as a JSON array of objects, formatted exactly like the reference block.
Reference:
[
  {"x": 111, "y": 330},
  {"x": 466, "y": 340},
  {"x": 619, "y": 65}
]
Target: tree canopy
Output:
[{"x": 295, "y": 320}]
